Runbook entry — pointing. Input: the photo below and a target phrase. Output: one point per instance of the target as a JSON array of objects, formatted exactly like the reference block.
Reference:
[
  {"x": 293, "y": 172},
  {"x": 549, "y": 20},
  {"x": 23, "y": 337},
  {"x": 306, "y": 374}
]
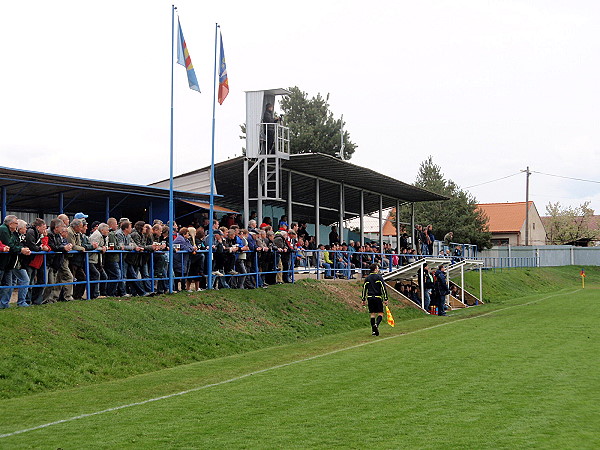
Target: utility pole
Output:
[{"x": 527, "y": 173}]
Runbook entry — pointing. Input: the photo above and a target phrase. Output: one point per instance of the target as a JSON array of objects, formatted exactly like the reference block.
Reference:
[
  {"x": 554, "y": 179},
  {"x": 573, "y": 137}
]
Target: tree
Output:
[
  {"x": 459, "y": 214},
  {"x": 313, "y": 129},
  {"x": 567, "y": 225}
]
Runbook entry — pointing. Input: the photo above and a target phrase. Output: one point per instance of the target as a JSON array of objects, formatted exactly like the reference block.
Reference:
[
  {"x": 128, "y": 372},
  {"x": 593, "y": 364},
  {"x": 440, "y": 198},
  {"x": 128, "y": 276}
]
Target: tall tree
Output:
[
  {"x": 567, "y": 224},
  {"x": 313, "y": 129},
  {"x": 459, "y": 214}
]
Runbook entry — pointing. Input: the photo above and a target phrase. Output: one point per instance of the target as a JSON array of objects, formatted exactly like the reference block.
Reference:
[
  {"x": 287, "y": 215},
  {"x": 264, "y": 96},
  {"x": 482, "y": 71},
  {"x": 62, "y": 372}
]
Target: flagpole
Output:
[
  {"x": 211, "y": 213},
  {"x": 171, "y": 212}
]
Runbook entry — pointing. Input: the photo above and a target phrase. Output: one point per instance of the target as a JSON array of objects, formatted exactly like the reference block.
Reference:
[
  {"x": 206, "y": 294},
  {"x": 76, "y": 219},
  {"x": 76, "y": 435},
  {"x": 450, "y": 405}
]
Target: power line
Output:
[
  {"x": 491, "y": 181},
  {"x": 568, "y": 178}
]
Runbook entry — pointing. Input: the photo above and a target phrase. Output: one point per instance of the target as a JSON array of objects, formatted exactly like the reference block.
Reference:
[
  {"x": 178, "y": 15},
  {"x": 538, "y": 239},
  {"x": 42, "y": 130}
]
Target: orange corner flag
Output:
[{"x": 390, "y": 318}]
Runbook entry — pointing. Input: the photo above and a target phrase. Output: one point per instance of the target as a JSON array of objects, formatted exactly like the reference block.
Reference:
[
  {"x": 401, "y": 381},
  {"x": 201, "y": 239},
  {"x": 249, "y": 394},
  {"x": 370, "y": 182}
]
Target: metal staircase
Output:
[{"x": 410, "y": 273}]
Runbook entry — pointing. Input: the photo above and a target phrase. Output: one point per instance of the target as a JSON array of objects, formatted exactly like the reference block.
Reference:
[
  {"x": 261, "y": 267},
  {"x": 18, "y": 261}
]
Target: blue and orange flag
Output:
[
  {"x": 183, "y": 58},
  {"x": 582, "y": 273},
  {"x": 223, "y": 80}
]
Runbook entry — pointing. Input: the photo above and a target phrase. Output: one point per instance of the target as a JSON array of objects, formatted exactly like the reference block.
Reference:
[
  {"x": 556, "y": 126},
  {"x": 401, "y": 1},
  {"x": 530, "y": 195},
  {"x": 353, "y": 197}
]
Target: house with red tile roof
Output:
[{"x": 507, "y": 223}]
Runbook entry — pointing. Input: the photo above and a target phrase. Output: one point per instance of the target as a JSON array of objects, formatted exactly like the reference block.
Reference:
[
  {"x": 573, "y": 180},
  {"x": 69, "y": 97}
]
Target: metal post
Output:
[
  {"x": 4, "y": 206},
  {"x": 88, "y": 286},
  {"x": 317, "y": 213},
  {"x": 341, "y": 211},
  {"x": 107, "y": 207},
  {"x": 412, "y": 226},
  {"x": 257, "y": 275},
  {"x": 381, "y": 223},
  {"x": 527, "y": 207},
  {"x": 462, "y": 283},
  {"x": 289, "y": 198},
  {"x": 318, "y": 264},
  {"x": 150, "y": 212},
  {"x": 61, "y": 203},
  {"x": 398, "y": 226},
  {"x": 422, "y": 285},
  {"x": 362, "y": 218},
  {"x": 259, "y": 189},
  {"x": 480, "y": 286},
  {"x": 247, "y": 194}
]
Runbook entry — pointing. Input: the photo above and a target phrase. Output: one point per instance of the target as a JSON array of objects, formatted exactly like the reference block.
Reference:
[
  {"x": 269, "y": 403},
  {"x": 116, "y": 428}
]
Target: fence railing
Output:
[{"x": 117, "y": 276}]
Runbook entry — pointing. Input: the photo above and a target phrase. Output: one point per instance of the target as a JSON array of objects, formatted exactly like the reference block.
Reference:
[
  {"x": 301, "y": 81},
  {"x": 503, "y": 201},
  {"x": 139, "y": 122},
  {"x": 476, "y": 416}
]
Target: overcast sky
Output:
[{"x": 485, "y": 87}]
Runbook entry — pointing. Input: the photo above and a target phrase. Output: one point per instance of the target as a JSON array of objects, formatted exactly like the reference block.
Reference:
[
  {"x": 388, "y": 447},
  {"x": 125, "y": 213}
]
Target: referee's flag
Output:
[{"x": 390, "y": 318}]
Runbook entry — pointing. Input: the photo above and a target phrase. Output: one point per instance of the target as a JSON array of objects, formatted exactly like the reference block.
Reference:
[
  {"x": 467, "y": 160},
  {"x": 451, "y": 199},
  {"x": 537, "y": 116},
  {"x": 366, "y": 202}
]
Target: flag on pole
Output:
[
  {"x": 582, "y": 273},
  {"x": 183, "y": 58},
  {"x": 223, "y": 80},
  {"x": 390, "y": 318}
]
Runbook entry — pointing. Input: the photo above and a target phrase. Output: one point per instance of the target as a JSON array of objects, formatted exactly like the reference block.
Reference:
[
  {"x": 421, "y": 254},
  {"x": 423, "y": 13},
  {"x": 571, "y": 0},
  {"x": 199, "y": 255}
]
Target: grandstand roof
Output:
[
  {"x": 305, "y": 168},
  {"x": 38, "y": 192}
]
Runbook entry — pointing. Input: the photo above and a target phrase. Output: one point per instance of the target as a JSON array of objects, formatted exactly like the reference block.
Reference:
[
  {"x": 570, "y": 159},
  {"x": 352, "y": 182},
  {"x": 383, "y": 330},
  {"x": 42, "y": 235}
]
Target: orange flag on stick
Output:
[{"x": 390, "y": 318}]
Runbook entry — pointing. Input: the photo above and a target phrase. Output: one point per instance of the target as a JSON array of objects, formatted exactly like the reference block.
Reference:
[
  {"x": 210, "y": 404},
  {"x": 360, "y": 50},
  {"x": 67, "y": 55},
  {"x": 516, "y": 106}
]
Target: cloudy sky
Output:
[{"x": 485, "y": 87}]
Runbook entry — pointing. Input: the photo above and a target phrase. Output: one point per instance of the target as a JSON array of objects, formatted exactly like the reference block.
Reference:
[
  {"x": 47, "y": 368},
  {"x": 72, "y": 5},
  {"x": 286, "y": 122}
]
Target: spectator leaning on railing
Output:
[
  {"x": 100, "y": 238},
  {"x": 57, "y": 265},
  {"x": 36, "y": 239},
  {"x": 9, "y": 259}
]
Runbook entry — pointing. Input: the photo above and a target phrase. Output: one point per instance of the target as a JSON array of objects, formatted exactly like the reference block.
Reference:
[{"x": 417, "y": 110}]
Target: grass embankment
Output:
[
  {"x": 81, "y": 343},
  {"x": 501, "y": 285},
  {"x": 77, "y": 343}
]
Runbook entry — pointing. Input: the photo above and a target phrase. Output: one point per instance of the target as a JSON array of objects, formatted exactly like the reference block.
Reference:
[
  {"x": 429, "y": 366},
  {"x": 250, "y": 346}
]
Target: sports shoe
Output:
[
  {"x": 376, "y": 330},
  {"x": 199, "y": 290}
]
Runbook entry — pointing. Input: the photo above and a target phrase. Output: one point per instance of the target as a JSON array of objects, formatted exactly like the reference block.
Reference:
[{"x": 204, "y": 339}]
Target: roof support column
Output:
[
  {"x": 398, "y": 226},
  {"x": 362, "y": 217},
  {"x": 341, "y": 227},
  {"x": 246, "y": 194},
  {"x": 150, "y": 212},
  {"x": 61, "y": 203},
  {"x": 107, "y": 207},
  {"x": 317, "y": 213},
  {"x": 412, "y": 226},
  {"x": 381, "y": 223},
  {"x": 259, "y": 192},
  {"x": 4, "y": 205},
  {"x": 289, "y": 198}
]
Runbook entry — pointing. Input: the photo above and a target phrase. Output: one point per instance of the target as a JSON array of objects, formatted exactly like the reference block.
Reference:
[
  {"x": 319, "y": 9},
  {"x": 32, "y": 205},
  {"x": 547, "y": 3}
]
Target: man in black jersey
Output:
[{"x": 375, "y": 294}]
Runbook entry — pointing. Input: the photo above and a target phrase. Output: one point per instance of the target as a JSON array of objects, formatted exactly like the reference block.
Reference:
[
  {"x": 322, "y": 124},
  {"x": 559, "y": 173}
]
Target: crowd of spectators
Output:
[{"x": 63, "y": 260}]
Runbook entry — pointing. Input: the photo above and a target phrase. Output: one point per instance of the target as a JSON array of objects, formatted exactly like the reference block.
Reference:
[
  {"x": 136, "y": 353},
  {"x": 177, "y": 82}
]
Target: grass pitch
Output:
[{"x": 523, "y": 373}]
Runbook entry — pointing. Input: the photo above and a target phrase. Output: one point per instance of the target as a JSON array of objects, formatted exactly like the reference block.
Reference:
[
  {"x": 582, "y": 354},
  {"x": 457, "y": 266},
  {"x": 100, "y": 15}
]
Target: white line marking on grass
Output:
[{"x": 268, "y": 369}]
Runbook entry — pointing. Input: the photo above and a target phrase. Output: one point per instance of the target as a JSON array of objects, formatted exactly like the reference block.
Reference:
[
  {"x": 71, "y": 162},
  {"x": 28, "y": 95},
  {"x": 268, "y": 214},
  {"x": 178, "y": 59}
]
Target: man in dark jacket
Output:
[
  {"x": 441, "y": 288},
  {"x": 33, "y": 241},
  {"x": 269, "y": 120},
  {"x": 58, "y": 267},
  {"x": 427, "y": 285},
  {"x": 375, "y": 294},
  {"x": 8, "y": 260}
]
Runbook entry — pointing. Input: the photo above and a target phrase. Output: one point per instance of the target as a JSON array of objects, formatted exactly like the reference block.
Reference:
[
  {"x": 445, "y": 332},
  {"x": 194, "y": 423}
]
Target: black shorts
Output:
[{"x": 375, "y": 305}]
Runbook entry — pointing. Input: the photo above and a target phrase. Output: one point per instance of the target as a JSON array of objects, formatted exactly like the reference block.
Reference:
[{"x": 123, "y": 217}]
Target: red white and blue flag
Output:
[
  {"x": 223, "y": 80},
  {"x": 183, "y": 58}
]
